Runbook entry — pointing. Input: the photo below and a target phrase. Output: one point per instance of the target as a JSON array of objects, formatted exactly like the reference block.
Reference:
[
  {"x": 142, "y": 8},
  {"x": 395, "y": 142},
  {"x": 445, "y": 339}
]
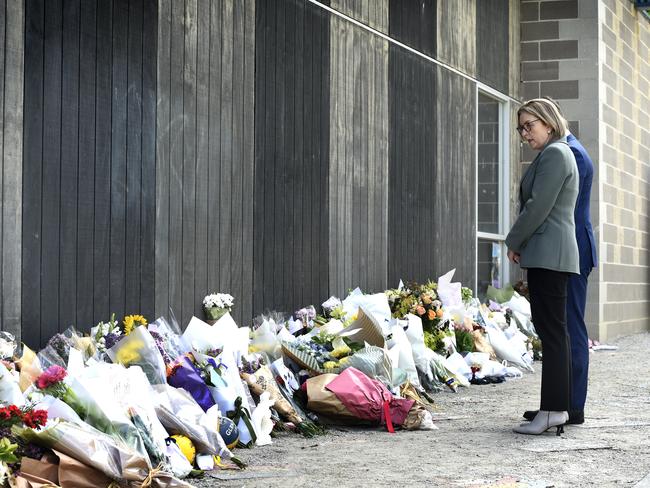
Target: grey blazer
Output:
[{"x": 544, "y": 233}]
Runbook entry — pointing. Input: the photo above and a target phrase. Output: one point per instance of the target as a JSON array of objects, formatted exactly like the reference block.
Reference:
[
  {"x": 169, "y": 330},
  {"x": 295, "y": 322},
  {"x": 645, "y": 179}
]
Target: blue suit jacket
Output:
[{"x": 584, "y": 231}]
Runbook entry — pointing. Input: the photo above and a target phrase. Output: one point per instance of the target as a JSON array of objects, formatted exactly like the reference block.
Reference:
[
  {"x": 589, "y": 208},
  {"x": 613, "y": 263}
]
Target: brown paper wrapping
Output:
[
  {"x": 323, "y": 401},
  {"x": 56, "y": 469},
  {"x": 482, "y": 345}
]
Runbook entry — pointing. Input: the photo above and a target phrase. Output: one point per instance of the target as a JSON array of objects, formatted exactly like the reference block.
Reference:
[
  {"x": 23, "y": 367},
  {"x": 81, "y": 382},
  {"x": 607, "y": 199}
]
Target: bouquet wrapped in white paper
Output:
[
  {"x": 139, "y": 349},
  {"x": 180, "y": 414}
]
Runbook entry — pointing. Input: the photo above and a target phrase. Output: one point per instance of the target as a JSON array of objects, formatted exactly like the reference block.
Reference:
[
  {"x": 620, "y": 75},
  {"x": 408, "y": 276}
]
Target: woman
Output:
[{"x": 543, "y": 240}]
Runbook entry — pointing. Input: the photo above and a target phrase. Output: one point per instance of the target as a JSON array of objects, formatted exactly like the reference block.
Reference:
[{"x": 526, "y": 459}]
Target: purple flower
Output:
[
  {"x": 494, "y": 306},
  {"x": 112, "y": 339}
]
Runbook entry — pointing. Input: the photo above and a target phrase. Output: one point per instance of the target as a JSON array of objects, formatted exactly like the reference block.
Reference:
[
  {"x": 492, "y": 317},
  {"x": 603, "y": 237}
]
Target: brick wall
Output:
[{"x": 625, "y": 168}]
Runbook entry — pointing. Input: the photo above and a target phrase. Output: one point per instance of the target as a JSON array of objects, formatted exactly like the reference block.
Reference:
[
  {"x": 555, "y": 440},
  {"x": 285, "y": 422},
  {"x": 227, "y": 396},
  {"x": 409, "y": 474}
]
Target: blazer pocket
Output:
[{"x": 541, "y": 228}]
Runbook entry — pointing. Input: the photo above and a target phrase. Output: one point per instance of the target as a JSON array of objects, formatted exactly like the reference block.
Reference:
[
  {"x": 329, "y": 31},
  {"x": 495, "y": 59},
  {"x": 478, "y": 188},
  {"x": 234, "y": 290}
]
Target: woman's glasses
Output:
[{"x": 526, "y": 127}]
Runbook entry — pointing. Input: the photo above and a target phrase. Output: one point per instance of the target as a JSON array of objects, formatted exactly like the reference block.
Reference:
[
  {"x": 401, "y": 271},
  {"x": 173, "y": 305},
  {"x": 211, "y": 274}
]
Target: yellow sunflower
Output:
[{"x": 132, "y": 321}]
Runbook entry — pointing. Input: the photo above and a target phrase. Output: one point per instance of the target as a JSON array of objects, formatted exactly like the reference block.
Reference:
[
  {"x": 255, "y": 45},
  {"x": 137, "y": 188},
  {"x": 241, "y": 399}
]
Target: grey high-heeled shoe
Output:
[{"x": 543, "y": 421}]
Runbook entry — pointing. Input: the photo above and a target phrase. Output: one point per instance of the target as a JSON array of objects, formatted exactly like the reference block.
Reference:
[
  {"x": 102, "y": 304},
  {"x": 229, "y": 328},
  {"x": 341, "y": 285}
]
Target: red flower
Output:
[
  {"x": 10, "y": 415},
  {"x": 51, "y": 376},
  {"x": 35, "y": 418}
]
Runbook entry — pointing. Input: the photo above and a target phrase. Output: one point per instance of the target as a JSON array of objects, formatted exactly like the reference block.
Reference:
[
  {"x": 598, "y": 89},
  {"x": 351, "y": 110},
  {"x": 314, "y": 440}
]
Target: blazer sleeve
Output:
[
  {"x": 552, "y": 170},
  {"x": 582, "y": 175}
]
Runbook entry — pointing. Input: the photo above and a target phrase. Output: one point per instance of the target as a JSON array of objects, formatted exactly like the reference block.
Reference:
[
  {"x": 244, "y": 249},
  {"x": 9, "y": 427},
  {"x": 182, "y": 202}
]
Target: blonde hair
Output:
[{"x": 548, "y": 112}]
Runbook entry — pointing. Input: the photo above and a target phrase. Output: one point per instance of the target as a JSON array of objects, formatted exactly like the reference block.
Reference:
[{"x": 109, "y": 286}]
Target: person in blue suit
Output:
[{"x": 577, "y": 286}]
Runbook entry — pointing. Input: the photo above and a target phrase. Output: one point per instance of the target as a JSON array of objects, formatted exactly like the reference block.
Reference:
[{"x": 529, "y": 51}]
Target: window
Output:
[{"x": 492, "y": 190}]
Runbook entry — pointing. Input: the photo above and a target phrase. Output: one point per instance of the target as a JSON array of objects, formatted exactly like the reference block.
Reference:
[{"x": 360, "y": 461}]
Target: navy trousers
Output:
[{"x": 575, "y": 310}]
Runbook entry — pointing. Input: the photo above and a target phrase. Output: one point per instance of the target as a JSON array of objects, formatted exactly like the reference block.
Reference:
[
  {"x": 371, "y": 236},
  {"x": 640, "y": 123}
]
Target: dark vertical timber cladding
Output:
[
  {"x": 455, "y": 203},
  {"x": 202, "y": 147},
  {"x": 176, "y": 135},
  {"x": 237, "y": 163},
  {"x": 264, "y": 29},
  {"x": 88, "y": 174},
  {"x": 102, "y": 184},
  {"x": 358, "y": 159},
  {"x": 249, "y": 160},
  {"x": 87, "y": 161},
  {"x": 12, "y": 89},
  {"x": 214, "y": 148},
  {"x": 51, "y": 191},
  {"x": 32, "y": 164},
  {"x": 205, "y": 155},
  {"x": 119, "y": 77},
  {"x": 133, "y": 221},
  {"x": 3, "y": 258},
  {"x": 413, "y": 22},
  {"x": 148, "y": 188},
  {"x": 189, "y": 160},
  {"x": 69, "y": 163},
  {"x": 292, "y": 46},
  {"x": 162, "y": 161},
  {"x": 413, "y": 181},
  {"x": 492, "y": 43},
  {"x": 225, "y": 165}
]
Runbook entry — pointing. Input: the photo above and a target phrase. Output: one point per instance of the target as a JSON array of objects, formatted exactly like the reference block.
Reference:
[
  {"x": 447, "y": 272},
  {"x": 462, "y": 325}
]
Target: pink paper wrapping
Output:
[{"x": 366, "y": 398}]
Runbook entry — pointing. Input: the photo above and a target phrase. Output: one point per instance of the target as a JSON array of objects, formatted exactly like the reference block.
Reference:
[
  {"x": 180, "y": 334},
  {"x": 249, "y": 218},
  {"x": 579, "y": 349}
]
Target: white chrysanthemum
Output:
[{"x": 219, "y": 300}]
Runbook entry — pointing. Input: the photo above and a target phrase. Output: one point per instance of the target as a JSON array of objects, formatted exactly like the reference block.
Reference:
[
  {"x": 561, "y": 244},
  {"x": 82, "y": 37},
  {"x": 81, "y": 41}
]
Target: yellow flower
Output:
[
  {"x": 330, "y": 365},
  {"x": 186, "y": 446},
  {"x": 341, "y": 351},
  {"x": 344, "y": 360},
  {"x": 129, "y": 353},
  {"x": 132, "y": 321}
]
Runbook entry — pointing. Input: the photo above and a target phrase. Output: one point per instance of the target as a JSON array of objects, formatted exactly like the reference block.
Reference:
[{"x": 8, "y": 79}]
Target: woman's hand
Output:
[{"x": 513, "y": 256}]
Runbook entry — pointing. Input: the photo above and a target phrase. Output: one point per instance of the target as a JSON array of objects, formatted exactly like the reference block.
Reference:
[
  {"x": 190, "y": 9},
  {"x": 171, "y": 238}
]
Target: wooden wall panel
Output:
[
  {"x": 373, "y": 13},
  {"x": 11, "y": 149},
  {"x": 88, "y": 111},
  {"x": 358, "y": 173},
  {"x": 456, "y": 34},
  {"x": 291, "y": 155},
  {"x": 492, "y": 43},
  {"x": 413, "y": 183},
  {"x": 413, "y": 22},
  {"x": 204, "y": 141},
  {"x": 514, "y": 48},
  {"x": 455, "y": 199}
]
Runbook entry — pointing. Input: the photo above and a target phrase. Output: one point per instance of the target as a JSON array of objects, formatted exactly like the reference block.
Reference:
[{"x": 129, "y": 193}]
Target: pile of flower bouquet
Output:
[{"x": 139, "y": 403}]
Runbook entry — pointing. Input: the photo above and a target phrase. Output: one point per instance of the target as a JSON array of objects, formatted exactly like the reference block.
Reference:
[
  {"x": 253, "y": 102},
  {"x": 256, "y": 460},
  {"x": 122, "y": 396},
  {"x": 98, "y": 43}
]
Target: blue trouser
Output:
[{"x": 575, "y": 312}]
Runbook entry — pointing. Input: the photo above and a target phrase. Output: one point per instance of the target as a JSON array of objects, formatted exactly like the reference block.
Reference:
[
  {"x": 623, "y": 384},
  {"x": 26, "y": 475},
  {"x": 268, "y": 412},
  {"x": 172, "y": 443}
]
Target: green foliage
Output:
[
  {"x": 466, "y": 293},
  {"x": 464, "y": 341},
  {"x": 434, "y": 340},
  {"x": 7, "y": 449},
  {"x": 500, "y": 295}
]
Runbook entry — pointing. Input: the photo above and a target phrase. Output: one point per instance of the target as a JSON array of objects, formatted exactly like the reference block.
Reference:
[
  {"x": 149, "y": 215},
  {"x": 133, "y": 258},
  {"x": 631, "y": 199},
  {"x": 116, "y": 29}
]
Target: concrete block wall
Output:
[
  {"x": 624, "y": 182},
  {"x": 559, "y": 59}
]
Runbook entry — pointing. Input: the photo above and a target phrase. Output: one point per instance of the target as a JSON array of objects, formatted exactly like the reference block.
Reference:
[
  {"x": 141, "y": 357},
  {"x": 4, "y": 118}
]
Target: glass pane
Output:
[
  {"x": 490, "y": 259},
  {"x": 488, "y": 164}
]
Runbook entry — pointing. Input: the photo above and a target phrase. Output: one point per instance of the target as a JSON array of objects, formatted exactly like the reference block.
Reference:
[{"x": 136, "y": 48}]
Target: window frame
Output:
[{"x": 504, "y": 181}]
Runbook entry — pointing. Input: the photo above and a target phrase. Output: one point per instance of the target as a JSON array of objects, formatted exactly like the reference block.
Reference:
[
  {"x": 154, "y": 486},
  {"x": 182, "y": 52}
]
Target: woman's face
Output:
[{"x": 532, "y": 130}]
